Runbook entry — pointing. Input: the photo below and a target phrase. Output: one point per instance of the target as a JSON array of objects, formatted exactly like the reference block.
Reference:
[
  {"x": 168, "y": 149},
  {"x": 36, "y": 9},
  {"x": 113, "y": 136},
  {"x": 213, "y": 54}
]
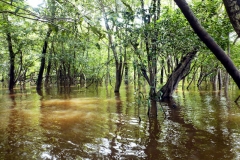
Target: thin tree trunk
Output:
[
  {"x": 126, "y": 74},
  {"x": 108, "y": 74},
  {"x": 209, "y": 41},
  {"x": 48, "y": 71},
  {"x": 126, "y": 67},
  {"x": 219, "y": 79},
  {"x": 193, "y": 78},
  {"x": 118, "y": 61},
  {"x": 215, "y": 81},
  {"x": 226, "y": 79},
  {"x": 151, "y": 42},
  {"x": 162, "y": 73},
  {"x": 44, "y": 51}
]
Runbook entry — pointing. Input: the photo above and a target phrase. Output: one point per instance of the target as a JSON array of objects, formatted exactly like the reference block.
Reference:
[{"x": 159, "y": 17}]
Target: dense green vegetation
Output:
[{"x": 107, "y": 42}]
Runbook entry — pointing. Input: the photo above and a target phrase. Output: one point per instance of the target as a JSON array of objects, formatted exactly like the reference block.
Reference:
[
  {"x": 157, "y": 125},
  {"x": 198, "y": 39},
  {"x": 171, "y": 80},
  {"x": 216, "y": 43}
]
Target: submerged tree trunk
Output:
[
  {"x": 220, "y": 79},
  {"x": 152, "y": 109},
  {"x": 49, "y": 65},
  {"x": 117, "y": 57},
  {"x": 215, "y": 81},
  {"x": 177, "y": 75},
  {"x": 118, "y": 77},
  {"x": 12, "y": 61},
  {"x": 209, "y": 41},
  {"x": 126, "y": 74},
  {"x": 150, "y": 40},
  {"x": 44, "y": 51},
  {"x": 162, "y": 73},
  {"x": 11, "y": 55}
]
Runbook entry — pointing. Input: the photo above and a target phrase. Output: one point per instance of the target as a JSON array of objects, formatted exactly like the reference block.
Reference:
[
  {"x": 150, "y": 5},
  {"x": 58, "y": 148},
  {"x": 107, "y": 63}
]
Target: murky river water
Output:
[{"x": 90, "y": 124}]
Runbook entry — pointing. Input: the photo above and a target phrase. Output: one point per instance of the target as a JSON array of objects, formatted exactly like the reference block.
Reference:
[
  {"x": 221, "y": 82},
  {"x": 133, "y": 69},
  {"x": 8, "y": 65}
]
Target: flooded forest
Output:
[{"x": 119, "y": 79}]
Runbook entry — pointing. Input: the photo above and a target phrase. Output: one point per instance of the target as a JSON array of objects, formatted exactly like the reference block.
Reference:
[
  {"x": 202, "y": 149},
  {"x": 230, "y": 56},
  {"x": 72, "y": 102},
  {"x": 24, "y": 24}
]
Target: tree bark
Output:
[
  {"x": 233, "y": 11},
  {"x": 44, "y": 51},
  {"x": 220, "y": 79},
  {"x": 12, "y": 61},
  {"x": 177, "y": 75},
  {"x": 126, "y": 73},
  {"x": 11, "y": 56},
  {"x": 162, "y": 73},
  {"x": 49, "y": 66},
  {"x": 209, "y": 41}
]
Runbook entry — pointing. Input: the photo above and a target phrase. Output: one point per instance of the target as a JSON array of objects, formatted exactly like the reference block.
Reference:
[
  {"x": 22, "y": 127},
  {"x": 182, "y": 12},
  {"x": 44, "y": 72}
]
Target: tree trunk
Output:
[
  {"x": 209, "y": 41},
  {"x": 177, "y": 75},
  {"x": 215, "y": 81},
  {"x": 11, "y": 55},
  {"x": 220, "y": 79},
  {"x": 193, "y": 78},
  {"x": 12, "y": 61},
  {"x": 48, "y": 72},
  {"x": 150, "y": 39},
  {"x": 118, "y": 60},
  {"x": 153, "y": 109},
  {"x": 44, "y": 51},
  {"x": 162, "y": 73},
  {"x": 126, "y": 74},
  {"x": 118, "y": 78},
  {"x": 107, "y": 79},
  {"x": 233, "y": 11}
]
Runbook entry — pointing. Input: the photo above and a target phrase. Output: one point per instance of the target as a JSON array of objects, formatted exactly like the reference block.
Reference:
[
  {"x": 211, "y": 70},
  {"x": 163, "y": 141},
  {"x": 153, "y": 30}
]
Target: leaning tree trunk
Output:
[
  {"x": 177, "y": 75},
  {"x": 233, "y": 11},
  {"x": 44, "y": 51},
  {"x": 209, "y": 41}
]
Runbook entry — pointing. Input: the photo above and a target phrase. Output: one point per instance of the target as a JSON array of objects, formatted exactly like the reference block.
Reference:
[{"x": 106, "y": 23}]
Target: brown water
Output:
[{"x": 90, "y": 124}]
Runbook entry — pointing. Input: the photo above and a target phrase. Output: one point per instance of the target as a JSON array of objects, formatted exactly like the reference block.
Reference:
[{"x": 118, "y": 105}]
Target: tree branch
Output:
[{"x": 209, "y": 41}]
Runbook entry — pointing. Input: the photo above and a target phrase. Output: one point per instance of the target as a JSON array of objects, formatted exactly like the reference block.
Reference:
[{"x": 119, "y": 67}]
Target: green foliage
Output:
[
  {"x": 79, "y": 38},
  {"x": 234, "y": 54}
]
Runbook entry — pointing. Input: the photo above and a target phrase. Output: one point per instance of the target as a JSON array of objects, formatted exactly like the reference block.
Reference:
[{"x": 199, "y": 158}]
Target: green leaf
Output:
[
  {"x": 97, "y": 31},
  {"x": 98, "y": 46},
  {"x": 127, "y": 5},
  {"x": 17, "y": 9},
  {"x": 26, "y": 7}
]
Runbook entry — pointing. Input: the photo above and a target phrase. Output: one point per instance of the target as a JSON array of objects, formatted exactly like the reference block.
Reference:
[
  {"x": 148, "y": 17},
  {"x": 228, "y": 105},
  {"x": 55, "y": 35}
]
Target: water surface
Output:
[{"x": 98, "y": 124}]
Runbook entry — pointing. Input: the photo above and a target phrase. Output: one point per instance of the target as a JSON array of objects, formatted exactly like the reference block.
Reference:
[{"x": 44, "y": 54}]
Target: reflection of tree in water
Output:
[
  {"x": 152, "y": 145},
  {"x": 199, "y": 130},
  {"x": 125, "y": 134},
  {"x": 19, "y": 132},
  {"x": 12, "y": 130},
  {"x": 203, "y": 127},
  {"x": 114, "y": 144}
]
